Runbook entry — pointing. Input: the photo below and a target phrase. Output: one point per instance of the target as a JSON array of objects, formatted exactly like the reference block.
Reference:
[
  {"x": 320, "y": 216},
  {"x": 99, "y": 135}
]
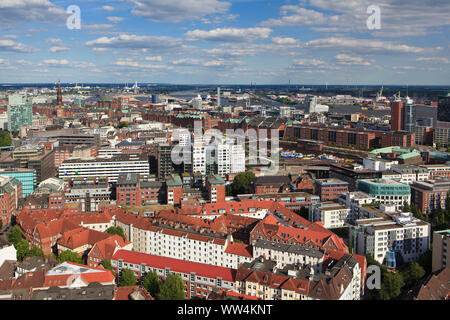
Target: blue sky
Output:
[{"x": 226, "y": 42}]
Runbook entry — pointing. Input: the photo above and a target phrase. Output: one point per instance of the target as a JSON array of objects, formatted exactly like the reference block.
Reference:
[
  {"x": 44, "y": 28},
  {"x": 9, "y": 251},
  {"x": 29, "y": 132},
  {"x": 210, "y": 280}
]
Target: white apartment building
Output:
[
  {"x": 237, "y": 158},
  {"x": 355, "y": 201},
  {"x": 331, "y": 215},
  {"x": 223, "y": 159},
  {"x": 90, "y": 196},
  {"x": 284, "y": 254},
  {"x": 199, "y": 158},
  {"x": 104, "y": 167},
  {"x": 378, "y": 164},
  {"x": 407, "y": 174},
  {"x": 182, "y": 245},
  {"x": 389, "y": 231}
]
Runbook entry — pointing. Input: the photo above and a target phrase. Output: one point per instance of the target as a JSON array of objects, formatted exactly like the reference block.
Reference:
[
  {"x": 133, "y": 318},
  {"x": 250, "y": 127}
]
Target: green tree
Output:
[
  {"x": 35, "y": 252},
  {"x": 152, "y": 283},
  {"x": 1, "y": 224},
  {"x": 123, "y": 124},
  {"x": 15, "y": 236},
  {"x": 425, "y": 260},
  {"x": 22, "y": 248},
  {"x": 116, "y": 230},
  {"x": 413, "y": 273},
  {"x": 106, "y": 263},
  {"x": 406, "y": 207},
  {"x": 5, "y": 139},
  {"x": 172, "y": 288},
  {"x": 241, "y": 183},
  {"x": 69, "y": 256},
  {"x": 391, "y": 286},
  {"x": 127, "y": 278}
]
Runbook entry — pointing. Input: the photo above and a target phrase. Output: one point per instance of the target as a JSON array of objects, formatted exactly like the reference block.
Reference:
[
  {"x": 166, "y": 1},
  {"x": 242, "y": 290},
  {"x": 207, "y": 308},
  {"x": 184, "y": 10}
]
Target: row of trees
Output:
[{"x": 172, "y": 288}]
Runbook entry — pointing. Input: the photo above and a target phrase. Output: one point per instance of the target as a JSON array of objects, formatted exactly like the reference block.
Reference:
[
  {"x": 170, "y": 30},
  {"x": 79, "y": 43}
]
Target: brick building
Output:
[
  {"x": 330, "y": 189},
  {"x": 215, "y": 186},
  {"x": 200, "y": 279},
  {"x": 10, "y": 194},
  {"x": 430, "y": 195}
]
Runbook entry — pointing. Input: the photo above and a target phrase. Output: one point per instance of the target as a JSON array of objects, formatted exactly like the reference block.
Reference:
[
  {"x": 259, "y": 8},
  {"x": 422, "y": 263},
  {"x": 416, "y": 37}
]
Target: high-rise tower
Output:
[{"x": 59, "y": 95}]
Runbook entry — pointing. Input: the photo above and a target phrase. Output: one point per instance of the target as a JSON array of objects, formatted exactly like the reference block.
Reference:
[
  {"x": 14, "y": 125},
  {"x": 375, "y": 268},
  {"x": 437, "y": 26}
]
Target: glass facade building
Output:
[
  {"x": 19, "y": 116},
  {"x": 443, "y": 113},
  {"x": 25, "y": 176}
]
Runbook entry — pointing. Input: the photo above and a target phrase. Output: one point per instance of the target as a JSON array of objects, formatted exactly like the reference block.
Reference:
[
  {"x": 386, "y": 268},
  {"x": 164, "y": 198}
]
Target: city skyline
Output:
[{"x": 225, "y": 42}]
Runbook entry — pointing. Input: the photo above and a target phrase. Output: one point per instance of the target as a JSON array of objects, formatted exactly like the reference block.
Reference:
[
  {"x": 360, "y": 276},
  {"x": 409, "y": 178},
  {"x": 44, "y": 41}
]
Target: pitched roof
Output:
[
  {"x": 107, "y": 246},
  {"x": 239, "y": 249},
  {"x": 67, "y": 272},
  {"x": 81, "y": 236},
  {"x": 181, "y": 266},
  {"x": 437, "y": 287},
  {"x": 126, "y": 293}
]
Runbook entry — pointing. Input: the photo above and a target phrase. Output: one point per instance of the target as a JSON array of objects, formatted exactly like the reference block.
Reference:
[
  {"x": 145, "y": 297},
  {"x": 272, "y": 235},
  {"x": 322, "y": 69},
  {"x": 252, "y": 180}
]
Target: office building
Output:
[
  {"x": 19, "y": 116},
  {"x": 386, "y": 191},
  {"x": 430, "y": 195},
  {"x": 442, "y": 133},
  {"x": 331, "y": 215},
  {"x": 33, "y": 157},
  {"x": 109, "y": 168},
  {"x": 397, "y": 116},
  {"x": 441, "y": 256},
  {"x": 27, "y": 177},
  {"x": 132, "y": 190},
  {"x": 10, "y": 193},
  {"x": 89, "y": 193},
  {"x": 330, "y": 189},
  {"x": 443, "y": 112},
  {"x": 409, "y": 118},
  {"x": 165, "y": 167},
  {"x": 344, "y": 136}
]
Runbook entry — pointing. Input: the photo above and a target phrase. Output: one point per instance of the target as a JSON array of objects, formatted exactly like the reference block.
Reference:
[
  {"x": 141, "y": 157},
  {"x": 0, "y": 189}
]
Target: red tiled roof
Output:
[
  {"x": 181, "y": 266},
  {"x": 236, "y": 205},
  {"x": 102, "y": 276},
  {"x": 107, "y": 246},
  {"x": 123, "y": 293},
  {"x": 81, "y": 236},
  {"x": 239, "y": 249}
]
